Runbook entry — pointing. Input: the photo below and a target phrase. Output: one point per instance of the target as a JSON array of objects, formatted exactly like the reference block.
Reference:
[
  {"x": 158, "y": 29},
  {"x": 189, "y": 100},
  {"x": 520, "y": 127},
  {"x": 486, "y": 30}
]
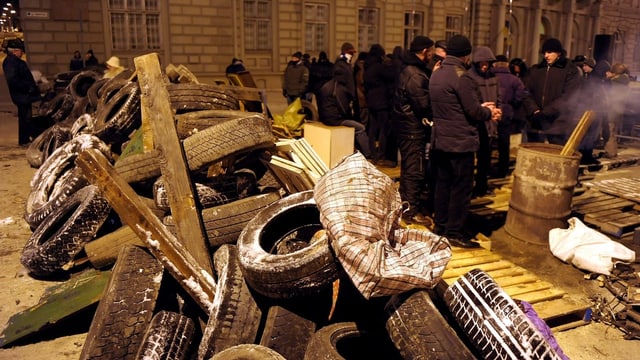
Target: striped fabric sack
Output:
[{"x": 360, "y": 209}]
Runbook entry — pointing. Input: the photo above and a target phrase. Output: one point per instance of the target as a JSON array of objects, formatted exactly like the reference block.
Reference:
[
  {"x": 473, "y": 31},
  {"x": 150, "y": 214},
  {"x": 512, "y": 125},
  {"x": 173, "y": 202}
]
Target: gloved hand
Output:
[{"x": 536, "y": 119}]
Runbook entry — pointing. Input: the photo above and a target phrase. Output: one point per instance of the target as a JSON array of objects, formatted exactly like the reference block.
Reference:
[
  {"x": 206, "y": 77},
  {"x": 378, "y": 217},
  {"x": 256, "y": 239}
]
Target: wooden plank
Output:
[
  {"x": 104, "y": 250},
  {"x": 477, "y": 260},
  {"x": 154, "y": 97},
  {"x": 592, "y": 217},
  {"x": 539, "y": 296},
  {"x": 58, "y": 303},
  {"x": 558, "y": 307},
  {"x": 614, "y": 203},
  {"x": 133, "y": 211},
  {"x": 508, "y": 281},
  {"x": 520, "y": 289},
  {"x": 621, "y": 226},
  {"x": 588, "y": 198},
  {"x": 457, "y": 272}
]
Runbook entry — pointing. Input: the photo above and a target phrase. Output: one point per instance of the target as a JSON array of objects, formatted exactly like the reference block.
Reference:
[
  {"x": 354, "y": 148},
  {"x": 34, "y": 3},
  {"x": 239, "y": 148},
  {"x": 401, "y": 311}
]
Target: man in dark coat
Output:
[
  {"x": 379, "y": 76},
  {"x": 489, "y": 92},
  {"x": 457, "y": 111},
  {"x": 552, "y": 85},
  {"x": 320, "y": 72},
  {"x": 412, "y": 116},
  {"x": 22, "y": 88},
  {"x": 512, "y": 93},
  {"x": 336, "y": 97},
  {"x": 296, "y": 78}
]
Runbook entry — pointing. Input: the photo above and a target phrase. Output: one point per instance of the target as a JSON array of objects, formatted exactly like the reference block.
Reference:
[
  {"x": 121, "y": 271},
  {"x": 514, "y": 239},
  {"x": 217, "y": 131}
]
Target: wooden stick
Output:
[{"x": 578, "y": 133}]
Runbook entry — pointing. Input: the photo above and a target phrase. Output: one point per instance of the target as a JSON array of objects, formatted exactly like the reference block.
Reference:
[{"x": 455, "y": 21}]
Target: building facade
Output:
[{"x": 204, "y": 35}]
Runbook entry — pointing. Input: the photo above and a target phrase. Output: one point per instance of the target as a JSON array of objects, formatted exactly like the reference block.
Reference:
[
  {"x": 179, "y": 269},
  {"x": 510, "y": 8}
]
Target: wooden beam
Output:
[
  {"x": 134, "y": 212},
  {"x": 154, "y": 101}
]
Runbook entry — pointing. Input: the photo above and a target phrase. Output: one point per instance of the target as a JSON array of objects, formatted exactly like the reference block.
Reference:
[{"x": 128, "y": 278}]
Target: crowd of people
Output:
[{"x": 444, "y": 106}]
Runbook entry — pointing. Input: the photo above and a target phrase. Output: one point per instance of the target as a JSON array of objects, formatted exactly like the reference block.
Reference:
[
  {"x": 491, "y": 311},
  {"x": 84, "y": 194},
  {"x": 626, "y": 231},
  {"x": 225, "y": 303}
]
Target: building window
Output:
[
  {"x": 257, "y": 24},
  {"x": 453, "y": 26},
  {"x": 316, "y": 27},
  {"x": 135, "y": 24},
  {"x": 636, "y": 50},
  {"x": 413, "y": 25},
  {"x": 368, "y": 25}
]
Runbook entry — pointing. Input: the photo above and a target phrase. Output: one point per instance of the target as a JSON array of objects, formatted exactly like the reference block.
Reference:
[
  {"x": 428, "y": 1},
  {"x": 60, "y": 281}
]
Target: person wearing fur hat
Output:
[
  {"x": 411, "y": 113},
  {"x": 457, "y": 112},
  {"x": 592, "y": 97},
  {"x": 22, "y": 88},
  {"x": 552, "y": 84}
]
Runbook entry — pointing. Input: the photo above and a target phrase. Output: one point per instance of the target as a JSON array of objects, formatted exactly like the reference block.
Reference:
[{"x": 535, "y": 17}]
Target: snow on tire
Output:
[
  {"x": 168, "y": 337},
  {"x": 54, "y": 180},
  {"x": 126, "y": 307},
  {"x": 235, "y": 315},
  {"x": 493, "y": 322},
  {"x": 227, "y": 138},
  {"x": 308, "y": 265},
  {"x": 419, "y": 330},
  {"x": 120, "y": 115},
  {"x": 248, "y": 352},
  {"x": 61, "y": 236}
]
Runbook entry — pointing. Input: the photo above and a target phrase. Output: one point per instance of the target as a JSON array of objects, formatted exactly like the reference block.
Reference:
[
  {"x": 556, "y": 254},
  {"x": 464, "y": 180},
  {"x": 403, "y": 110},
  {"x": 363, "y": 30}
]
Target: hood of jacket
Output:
[{"x": 482, "y": 54}]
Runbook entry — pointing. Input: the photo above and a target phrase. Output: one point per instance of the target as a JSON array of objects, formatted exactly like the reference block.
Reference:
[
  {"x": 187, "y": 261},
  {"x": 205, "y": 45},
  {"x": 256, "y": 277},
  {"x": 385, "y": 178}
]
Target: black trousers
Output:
[
  {"x": 25, "y": 129},
  {"x": 412, "y": 170},
  {"x": 454, "y": 183},
  {"x": 483, "y": 161}
]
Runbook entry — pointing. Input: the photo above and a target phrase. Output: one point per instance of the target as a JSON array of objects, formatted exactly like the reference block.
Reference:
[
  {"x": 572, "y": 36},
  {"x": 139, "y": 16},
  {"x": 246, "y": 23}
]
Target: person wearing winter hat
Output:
[
  {"x": 22, "y": 88},
  {"x": 411, "y": 112},
  {"x": 457, "y": 112},
  {"x": 296, "y": 78},
  {"x": 552, "y": 84},
  {"x": 591, "y": 97},
  {"x": 439, "y": 53},
  {"x": 489, "y": 91},
  {"x": 335, "y": 99}
]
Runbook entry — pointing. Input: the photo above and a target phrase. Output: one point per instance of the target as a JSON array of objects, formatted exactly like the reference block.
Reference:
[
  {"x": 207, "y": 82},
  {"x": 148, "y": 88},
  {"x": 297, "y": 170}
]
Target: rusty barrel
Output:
[{"x": 543, "y": 183}]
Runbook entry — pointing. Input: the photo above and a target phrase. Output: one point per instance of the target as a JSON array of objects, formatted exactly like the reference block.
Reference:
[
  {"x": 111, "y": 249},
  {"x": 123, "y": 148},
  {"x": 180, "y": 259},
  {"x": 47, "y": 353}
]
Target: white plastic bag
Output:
[{"x": 587, "y": 248}]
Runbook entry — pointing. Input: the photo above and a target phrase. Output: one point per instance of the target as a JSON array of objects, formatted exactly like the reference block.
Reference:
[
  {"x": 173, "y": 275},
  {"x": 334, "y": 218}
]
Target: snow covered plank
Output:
[{"x": 154, "y": 100}]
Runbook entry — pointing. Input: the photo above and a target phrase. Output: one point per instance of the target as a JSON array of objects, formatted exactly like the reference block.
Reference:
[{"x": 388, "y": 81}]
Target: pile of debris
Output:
[{"x": 150, "y": 173}]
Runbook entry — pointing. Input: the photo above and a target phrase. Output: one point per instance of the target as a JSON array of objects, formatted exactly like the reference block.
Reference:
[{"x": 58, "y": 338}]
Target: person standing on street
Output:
[
  {"x": 90, "y": 59},
  {"x": 457, "y": 112},
  {"x": 552, "y": 85},
  {"x": 22, "y": 88},
  {"x": 512, "y": 92},
  {"x": 296, "y": 78},
  {"x": 411, "y": 114}
]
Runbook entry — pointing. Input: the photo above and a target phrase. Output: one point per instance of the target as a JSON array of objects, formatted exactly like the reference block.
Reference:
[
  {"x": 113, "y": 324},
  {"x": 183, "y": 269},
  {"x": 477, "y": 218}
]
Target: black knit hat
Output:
[
  {"x": 458, "y": 45},
  {"x": 501, "y": 58},
  {"x": 441, "y": 44},
  {"x": 552, "y": 45},
  {"x": 590, "y": 62},
  {"x": 347, "y": 47},
  {"x": 297, "y": 54},
  {"x": 420, "y": 43},
  {"x": 15, "y": 44}
]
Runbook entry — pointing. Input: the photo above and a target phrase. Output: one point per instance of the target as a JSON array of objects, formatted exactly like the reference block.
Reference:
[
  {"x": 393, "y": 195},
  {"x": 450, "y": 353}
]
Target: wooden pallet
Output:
[
  {"x": 610, "y": 214},
  {"x": 626, "y": 188},
  {"x": 550, "y": 302}
]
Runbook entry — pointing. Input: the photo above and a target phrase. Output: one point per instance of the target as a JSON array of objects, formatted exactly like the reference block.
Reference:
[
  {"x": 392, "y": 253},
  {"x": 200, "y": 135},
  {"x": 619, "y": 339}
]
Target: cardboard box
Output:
[{"x": 331, "y": 143}]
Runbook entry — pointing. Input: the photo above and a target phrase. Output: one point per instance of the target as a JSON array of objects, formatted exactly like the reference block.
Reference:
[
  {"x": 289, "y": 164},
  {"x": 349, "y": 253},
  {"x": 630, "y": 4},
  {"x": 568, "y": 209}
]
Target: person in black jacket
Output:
[
  {"x": 411, "y": 116},
  {"x": 379, "y": 76},
  {"x": 319, "y": 73},
  {"x": 22, "y": 88},
  {"x": 552, "y": 85},
  {"x": 489, "y": 92},
  {"x": 457, "y": 112},
  {"x": 336, "y": 96}
]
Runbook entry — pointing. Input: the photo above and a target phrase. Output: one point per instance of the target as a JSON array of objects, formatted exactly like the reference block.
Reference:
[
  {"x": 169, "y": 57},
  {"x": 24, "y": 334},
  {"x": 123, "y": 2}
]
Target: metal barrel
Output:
[{"x": 543, "y": 187}]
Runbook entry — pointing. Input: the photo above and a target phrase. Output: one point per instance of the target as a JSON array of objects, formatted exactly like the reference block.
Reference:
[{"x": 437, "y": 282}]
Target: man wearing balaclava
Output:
[{"x": 552, "y": 84}]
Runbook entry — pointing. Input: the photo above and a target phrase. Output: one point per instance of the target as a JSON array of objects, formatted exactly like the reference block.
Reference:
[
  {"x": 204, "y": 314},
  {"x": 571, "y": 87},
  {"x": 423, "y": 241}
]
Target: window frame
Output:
[{"x": 135, "y": 25}]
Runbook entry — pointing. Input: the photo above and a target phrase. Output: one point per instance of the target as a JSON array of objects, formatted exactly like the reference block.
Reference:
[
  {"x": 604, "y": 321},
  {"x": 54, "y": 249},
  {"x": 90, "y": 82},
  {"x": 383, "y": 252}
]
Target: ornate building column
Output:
[
  {"x": 535, "y": 34},
  {"x": 568, "y": 30},
  {"x": 500, "y": 27}
]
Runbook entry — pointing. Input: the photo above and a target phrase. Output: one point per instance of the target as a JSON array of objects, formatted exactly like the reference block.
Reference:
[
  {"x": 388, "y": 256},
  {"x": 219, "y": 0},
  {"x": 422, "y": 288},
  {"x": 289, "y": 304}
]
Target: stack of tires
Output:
[{"x": 280, "y": 292}]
